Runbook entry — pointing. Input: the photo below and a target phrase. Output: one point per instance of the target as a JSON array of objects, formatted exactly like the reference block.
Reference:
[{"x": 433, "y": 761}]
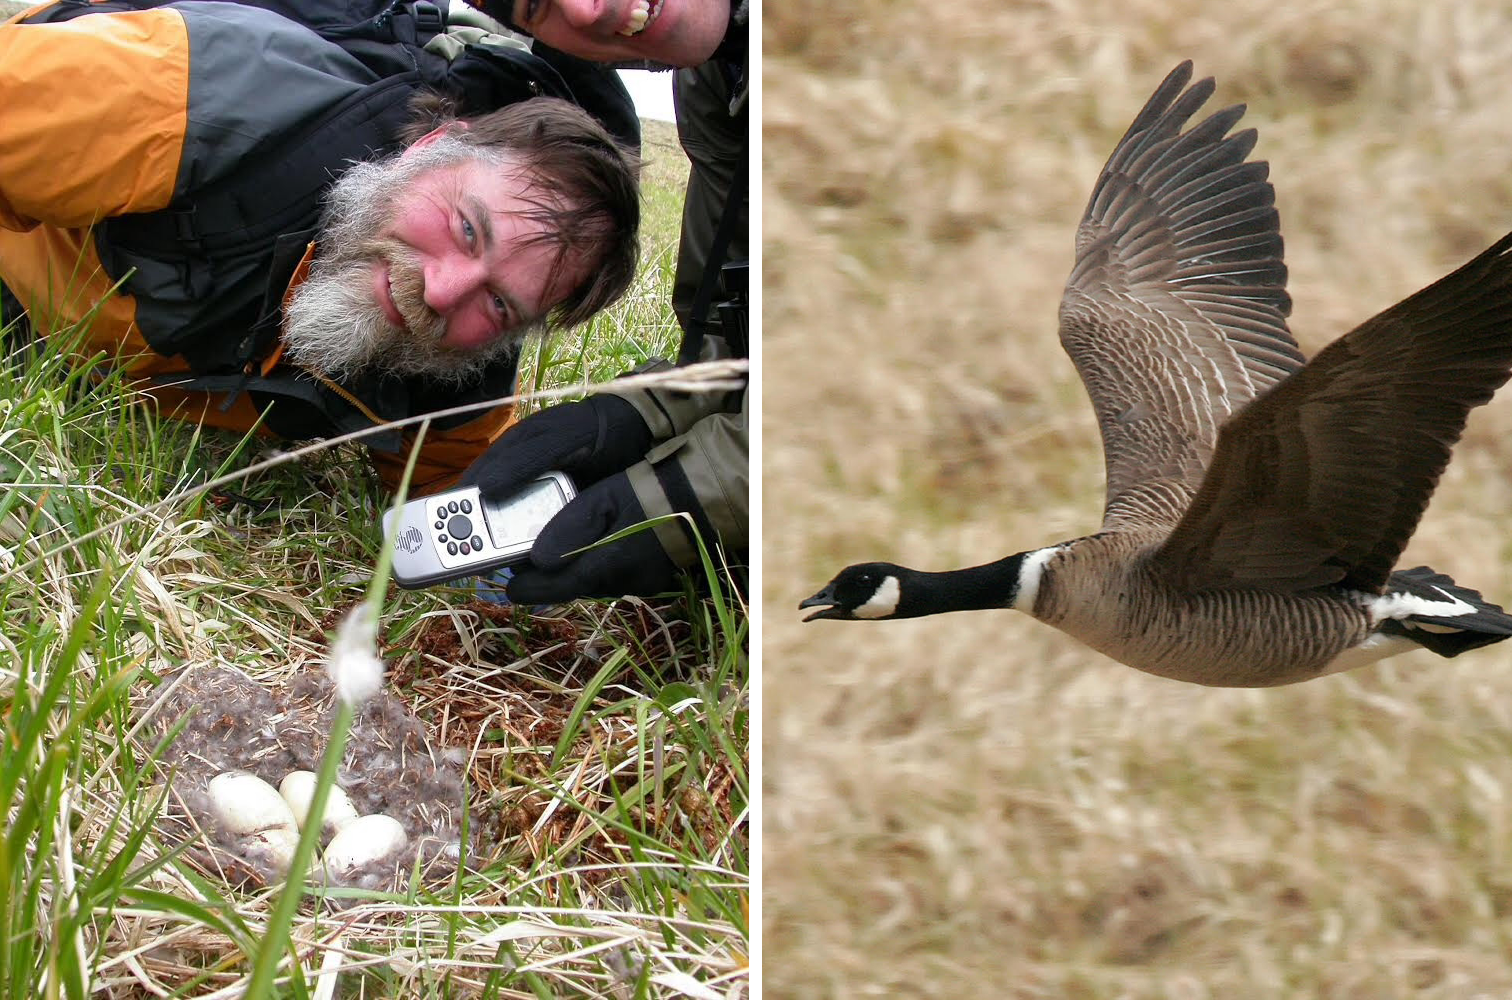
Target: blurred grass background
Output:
[{"x": 974, "y": 805}]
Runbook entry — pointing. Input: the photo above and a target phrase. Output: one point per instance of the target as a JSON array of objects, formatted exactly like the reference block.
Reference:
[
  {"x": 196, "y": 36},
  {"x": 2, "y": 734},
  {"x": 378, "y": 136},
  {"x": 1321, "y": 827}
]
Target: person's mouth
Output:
[
  {"x": 642, "y": 14},
  {"x": 383, "y": 294}
]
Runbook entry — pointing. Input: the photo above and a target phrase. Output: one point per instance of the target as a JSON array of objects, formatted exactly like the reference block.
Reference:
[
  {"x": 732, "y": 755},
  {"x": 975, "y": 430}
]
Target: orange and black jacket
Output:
[{"x": 180, "y": 152}]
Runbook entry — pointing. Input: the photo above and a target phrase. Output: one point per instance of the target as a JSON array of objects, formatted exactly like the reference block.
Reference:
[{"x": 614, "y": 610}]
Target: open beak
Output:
[{"x": 828, "y": 608}]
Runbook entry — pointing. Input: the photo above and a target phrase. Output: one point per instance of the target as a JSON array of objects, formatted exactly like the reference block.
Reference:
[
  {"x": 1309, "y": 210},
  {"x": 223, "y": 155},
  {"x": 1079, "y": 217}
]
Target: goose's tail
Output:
[{"x": 1436, "y": 613}]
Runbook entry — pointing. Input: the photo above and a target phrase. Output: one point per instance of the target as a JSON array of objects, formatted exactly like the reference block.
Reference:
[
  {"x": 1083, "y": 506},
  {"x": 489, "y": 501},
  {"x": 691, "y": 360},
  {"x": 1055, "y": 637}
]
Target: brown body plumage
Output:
[{"x": 1107, "y": 592}]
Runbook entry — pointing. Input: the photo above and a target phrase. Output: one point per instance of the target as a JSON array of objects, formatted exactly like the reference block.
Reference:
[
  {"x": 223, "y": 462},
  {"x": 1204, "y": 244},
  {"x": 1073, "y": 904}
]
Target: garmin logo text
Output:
[{"x": 410, "y": 541}]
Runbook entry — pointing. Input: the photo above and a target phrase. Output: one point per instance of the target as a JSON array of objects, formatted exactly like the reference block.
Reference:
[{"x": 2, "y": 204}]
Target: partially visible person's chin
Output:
[
  {"x": 678, "y": 33},
  {"x": 682, "y": 32}
]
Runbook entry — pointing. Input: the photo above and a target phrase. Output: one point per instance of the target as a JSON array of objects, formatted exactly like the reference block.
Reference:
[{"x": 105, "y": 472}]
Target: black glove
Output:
[
  {"x": 598, "y": 437},
  {"x": 635, "y": 564}
]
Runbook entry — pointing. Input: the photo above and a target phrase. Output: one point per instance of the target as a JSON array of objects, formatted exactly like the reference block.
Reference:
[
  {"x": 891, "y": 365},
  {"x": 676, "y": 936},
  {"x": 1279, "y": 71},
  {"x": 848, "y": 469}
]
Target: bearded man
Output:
[{"x": 171, "y": 212}]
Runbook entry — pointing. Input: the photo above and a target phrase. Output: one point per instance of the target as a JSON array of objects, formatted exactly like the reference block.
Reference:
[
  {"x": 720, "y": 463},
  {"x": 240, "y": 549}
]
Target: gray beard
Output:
[{"x": 333, "y": 326}]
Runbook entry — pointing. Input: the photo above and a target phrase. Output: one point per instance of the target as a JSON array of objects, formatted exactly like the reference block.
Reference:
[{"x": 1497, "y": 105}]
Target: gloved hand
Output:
[
  {"x": 589, "y": 440},
  {"x": 635, "y": 564}
]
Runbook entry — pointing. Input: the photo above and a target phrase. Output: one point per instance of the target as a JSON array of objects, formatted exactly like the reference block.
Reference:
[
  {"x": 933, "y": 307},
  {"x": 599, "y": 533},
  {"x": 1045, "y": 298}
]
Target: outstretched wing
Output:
[
  {"x": 1175, "y": 313},
  {"x": 1323, "y": 480}
]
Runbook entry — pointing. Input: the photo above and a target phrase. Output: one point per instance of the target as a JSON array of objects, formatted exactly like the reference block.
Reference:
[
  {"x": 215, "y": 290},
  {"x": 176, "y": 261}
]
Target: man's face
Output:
[
  {"x": 428, "y": 264},
  {"x": 676, "y": 32}
]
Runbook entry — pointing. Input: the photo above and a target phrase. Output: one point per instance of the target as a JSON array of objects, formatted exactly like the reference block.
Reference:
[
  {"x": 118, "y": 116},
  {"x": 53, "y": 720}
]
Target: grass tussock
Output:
[
  {"x": 574, "y": 780},
  {"x": 974, "y": 805}
]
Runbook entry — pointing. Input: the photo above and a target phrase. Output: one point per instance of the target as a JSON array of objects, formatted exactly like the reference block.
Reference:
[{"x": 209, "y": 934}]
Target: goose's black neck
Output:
[{"x": 975, "y": 588}]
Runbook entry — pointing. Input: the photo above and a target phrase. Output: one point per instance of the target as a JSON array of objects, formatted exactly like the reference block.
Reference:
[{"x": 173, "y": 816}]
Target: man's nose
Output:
[{"x": 450, "y": 279}]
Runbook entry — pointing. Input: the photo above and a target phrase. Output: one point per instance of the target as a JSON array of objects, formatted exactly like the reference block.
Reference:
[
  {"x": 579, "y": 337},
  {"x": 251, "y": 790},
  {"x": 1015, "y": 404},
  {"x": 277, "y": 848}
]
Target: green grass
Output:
[{"x": 603, "y": 746}]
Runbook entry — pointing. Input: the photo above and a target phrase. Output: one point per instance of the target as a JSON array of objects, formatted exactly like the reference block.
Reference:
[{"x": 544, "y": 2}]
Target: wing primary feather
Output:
[{"x": 1260, "y": 219}]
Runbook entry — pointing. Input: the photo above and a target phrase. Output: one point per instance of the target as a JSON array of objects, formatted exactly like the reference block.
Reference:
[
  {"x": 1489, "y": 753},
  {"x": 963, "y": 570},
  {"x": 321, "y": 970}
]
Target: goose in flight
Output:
[{"x": 1256, "y": 502}]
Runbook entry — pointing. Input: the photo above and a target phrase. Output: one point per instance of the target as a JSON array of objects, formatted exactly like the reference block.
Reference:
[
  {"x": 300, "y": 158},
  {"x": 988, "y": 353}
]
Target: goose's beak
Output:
[{"x": 827, "y": 605}]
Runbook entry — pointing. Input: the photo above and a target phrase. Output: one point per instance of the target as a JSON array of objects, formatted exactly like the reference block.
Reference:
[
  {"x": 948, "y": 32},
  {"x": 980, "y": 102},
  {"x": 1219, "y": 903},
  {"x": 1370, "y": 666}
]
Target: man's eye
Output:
[
  {"x": 468, "y": 233},
  {"x": 500, "y": 306}
]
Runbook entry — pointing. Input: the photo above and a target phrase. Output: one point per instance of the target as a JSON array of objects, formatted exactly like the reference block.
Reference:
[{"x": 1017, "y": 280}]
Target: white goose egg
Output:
[
  {"x": 244, "y": 803},
  {"x": 279, "y": 842},
  {"x": 364, "y": 840},
  {"x": 298, "y": 787}
]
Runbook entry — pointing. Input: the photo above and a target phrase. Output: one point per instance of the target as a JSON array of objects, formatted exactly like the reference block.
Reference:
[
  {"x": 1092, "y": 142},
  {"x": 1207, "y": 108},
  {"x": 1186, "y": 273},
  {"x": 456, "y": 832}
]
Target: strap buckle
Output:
[{"x": 430, "y": 20}]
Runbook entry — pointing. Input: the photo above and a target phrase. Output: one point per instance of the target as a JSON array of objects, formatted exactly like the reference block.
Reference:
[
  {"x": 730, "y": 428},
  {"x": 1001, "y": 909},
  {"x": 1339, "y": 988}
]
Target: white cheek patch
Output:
[
  {"x": 1031, "y": 570},
  {"x": 1402, "y": 605},
  {"x": 883, "y": 602}
]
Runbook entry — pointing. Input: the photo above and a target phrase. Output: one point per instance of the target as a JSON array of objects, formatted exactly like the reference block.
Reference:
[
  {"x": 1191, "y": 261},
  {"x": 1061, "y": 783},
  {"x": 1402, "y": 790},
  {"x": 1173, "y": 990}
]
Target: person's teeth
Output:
[{"x": 638, "y": 17}]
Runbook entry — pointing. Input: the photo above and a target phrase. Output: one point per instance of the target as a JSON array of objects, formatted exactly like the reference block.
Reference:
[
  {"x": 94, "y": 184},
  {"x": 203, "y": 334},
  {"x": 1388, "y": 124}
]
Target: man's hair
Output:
[{"x": 591, "y": 197}]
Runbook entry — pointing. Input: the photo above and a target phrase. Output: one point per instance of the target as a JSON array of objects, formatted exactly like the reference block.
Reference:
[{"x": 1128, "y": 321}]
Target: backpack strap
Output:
[
  {"x": 316, "y": 406},
  {"x": 703, "y": 299}
]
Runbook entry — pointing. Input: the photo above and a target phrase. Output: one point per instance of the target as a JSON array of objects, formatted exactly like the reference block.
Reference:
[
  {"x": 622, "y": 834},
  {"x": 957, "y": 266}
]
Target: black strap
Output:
[
  {"x": 682, "y": 497},
  {"x": 387, "y": 397},
  {"x": 308, "y": 395},
  {"x": 698, "y": 320}
]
